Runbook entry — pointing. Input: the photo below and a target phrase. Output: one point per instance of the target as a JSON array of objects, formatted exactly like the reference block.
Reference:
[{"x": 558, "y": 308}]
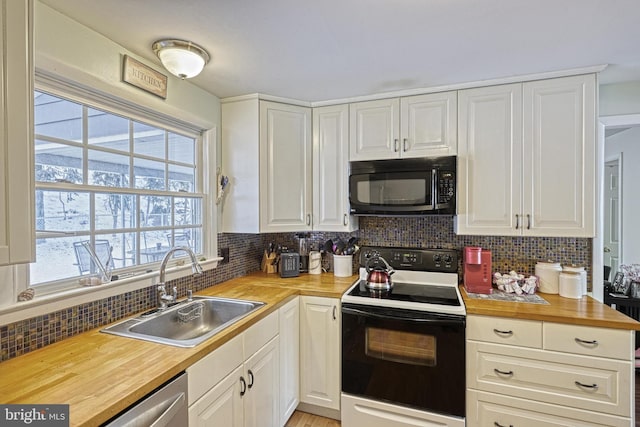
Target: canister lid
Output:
[{"x": 573, "y": 268}]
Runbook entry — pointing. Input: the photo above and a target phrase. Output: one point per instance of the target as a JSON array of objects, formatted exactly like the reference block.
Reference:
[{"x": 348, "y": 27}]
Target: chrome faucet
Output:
[{"x": 163, "y": 297}]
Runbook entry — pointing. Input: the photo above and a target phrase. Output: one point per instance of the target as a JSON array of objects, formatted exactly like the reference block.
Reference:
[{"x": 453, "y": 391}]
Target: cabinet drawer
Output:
[
  {"x": 491, "y": 410},
  {"x": 596, "y": 384},
  {"x": 213, "y": 367},
  {"x": 261, "y": 333},
  {"x": 526, "y": 333},
  {"x": 602, "y": 342}
]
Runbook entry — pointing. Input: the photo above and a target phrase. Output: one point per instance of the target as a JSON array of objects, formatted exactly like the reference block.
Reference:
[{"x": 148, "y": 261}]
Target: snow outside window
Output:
[{"x": 130, "y": 189}]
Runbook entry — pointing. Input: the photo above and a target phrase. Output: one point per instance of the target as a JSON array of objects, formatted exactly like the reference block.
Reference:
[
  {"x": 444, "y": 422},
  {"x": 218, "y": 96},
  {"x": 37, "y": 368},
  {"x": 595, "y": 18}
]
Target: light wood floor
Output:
[{"x": 303, "y": 419}]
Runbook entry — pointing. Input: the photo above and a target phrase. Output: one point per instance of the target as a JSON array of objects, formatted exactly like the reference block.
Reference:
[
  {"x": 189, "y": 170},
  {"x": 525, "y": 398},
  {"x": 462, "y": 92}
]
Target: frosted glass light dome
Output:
[{"x": 180, "y": 57}]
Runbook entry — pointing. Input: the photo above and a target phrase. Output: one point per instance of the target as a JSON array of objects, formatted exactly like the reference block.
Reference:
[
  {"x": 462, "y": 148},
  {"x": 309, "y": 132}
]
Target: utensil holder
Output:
[{"x": 343, "y": 265}]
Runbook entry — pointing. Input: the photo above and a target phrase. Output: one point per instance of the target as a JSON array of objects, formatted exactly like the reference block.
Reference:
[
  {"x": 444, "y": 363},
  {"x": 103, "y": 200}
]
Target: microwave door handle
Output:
[{"x": 434, "y": 189}]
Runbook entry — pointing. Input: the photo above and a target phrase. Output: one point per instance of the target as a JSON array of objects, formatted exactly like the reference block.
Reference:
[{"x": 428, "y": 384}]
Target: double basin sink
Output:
[{"x": 186, "y": 324}]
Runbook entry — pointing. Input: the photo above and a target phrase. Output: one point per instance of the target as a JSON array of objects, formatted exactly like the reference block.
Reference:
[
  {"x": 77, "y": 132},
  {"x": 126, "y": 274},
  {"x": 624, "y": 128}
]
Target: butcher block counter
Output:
[
  {"x": 585, "y": 311},
  {"x": 99, "y": 375}
]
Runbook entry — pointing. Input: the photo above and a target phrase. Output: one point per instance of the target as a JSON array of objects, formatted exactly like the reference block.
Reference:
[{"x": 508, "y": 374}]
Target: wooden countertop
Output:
[
  {"x": 100, "y": 375},
  {"x": 585, "y": 311}
]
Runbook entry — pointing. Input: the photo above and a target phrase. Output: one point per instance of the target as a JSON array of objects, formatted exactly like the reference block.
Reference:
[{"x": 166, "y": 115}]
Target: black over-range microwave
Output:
[{"x": 420, "y": 186}]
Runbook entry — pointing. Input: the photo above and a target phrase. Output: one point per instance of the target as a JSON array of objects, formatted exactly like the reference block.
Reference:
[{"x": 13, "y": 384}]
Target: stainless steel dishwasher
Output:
[{"x": 165, "y": 407}]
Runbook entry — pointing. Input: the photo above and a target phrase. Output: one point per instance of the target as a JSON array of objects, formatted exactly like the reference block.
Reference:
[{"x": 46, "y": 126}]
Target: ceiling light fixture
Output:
[{"x": 182, "y": 58}]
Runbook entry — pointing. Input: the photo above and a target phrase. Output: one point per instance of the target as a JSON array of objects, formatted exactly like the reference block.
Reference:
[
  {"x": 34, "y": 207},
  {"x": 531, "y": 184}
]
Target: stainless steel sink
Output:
[{"x": 186, "y": 324}]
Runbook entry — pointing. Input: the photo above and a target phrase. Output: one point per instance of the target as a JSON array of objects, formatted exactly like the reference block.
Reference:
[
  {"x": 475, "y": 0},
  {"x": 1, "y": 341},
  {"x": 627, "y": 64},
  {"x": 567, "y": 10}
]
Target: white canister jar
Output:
[
  {"x": 570, "y": 285},
  {"x": 581, "y": 271},
  {"x": 548, "y": 273}
]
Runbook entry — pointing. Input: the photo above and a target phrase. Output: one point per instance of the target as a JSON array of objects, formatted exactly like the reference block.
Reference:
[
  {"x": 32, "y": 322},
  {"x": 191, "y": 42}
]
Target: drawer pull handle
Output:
[
  {"x": 592, "y": 342},
  {"x": 497, "y": 424},
  {"x": 506, "y": 373},
  {"x": 505, "y": 333},
  {"x": 592, "y": 386},
  {"x": 250, "y": 379},
  {"x": 243, "y": 386}
]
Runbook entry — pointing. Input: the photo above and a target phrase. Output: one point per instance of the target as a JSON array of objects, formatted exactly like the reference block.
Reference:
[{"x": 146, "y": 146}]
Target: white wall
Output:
[
  {"x": 628, "y": 143},
  {"x": 621, "y": 98},
  {"x": 77, "y": 53}
]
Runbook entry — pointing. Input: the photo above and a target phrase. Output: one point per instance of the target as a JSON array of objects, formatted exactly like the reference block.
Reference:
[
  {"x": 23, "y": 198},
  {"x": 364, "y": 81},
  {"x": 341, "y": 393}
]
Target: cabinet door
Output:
[
  {"x": 220, "y": 406},
  {"x": 489, "y": 160},
  {"x": 16, "y": 138},
  {"x": 289, "y": 359},
  {"x": 429, "y": 125},
  {"x": 263, "y": 387},
  {"x": 559, "y": 157},
  {"x": 374, "y": 130},
  {"x": 285, "y": 167},
  {"x": 320, "y": 351},
  {"x": 331, "y": 169}
]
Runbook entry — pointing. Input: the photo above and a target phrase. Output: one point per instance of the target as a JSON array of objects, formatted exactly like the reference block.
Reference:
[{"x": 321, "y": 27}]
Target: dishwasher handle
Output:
[{"x": 164, "y": 418}]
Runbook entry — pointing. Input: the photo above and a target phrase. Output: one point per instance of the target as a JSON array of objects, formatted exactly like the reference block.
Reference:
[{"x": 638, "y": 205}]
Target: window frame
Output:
[{"x": 204, "y": 157}]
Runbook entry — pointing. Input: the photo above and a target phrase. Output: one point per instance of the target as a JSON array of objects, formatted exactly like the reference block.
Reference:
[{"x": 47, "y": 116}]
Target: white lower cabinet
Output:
[
  {"x": 534, "y": 373},
  {"x": 320, "y": 353},
  {"x": 238, "y": 385},
  {"x": 289, "y": 359}
]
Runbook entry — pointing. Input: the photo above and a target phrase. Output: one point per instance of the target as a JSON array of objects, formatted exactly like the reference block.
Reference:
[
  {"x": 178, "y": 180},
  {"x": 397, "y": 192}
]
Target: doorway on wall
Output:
[{"x": 613, "y": 235}]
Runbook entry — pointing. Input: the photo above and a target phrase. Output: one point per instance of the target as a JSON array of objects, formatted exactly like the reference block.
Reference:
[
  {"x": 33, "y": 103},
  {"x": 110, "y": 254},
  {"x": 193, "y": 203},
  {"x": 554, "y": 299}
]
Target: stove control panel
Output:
[{"x": 436, "y": 260}]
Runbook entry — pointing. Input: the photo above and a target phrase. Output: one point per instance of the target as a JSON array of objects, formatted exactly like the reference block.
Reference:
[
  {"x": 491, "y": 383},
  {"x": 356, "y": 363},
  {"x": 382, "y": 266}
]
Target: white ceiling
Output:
[{"x": 315, "y": 50}]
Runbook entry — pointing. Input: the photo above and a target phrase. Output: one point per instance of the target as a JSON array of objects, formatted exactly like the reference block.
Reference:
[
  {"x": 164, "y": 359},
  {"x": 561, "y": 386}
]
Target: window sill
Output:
[{"x": 49, "y": 303}]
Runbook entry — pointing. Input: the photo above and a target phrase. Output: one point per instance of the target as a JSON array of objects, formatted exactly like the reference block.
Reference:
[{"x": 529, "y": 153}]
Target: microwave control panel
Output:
[{"x": 446, "y": 186}]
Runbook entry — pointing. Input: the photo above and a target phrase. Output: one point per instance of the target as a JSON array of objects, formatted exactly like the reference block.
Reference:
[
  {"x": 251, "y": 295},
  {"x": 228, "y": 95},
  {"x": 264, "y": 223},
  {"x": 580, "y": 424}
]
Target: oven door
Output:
[{"x": 411, "y": 358}]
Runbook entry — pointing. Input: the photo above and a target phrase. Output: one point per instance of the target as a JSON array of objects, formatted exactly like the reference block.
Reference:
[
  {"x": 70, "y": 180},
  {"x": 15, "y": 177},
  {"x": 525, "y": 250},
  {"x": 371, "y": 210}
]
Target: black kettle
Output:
[{"x": 378, "y": 276}]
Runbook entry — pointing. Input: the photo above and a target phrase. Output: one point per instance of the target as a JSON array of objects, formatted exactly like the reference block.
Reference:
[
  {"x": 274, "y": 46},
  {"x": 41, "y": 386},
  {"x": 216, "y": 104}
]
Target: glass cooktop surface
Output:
[{"x": 410, "y": 292}]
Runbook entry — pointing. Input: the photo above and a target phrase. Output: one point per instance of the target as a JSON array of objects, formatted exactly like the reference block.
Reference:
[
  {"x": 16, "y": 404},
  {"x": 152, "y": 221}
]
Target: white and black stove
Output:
[
  {"x": 424, "y": 280},
  {"x": 403, "y": 348}
]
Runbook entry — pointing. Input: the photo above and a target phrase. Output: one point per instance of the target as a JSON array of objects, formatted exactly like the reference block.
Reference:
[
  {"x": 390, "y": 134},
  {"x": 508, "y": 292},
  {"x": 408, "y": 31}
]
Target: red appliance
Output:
[{"x": 477, "y": 270}]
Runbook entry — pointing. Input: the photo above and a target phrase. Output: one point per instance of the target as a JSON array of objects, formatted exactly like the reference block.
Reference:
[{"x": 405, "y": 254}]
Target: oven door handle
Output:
[{"x": 423, "y": 317}]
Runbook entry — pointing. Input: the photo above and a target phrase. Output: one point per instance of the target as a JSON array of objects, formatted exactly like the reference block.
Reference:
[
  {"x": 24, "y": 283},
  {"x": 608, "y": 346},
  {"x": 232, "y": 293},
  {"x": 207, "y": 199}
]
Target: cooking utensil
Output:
[{"x": 378, "y": 276}]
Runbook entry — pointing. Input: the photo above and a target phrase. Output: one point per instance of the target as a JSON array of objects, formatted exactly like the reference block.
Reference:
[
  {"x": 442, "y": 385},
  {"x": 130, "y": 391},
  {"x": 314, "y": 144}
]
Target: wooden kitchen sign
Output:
[{"x": 139, "y": 75}]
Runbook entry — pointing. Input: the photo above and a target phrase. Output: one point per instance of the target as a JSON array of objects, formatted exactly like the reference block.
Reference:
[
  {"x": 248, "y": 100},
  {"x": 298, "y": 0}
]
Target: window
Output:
[{"x": 125, "y": 189}]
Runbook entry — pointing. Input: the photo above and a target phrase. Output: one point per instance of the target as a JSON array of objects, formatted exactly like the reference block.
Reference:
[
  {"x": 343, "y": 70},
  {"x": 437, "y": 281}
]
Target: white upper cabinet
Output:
[
  {"x": 16, "y": 133},
  {"x": 331, "y": 169},
  {"x": 285, "y": 167},
  {"x": 414, "y": 126},
  {"x": 428, "y": 125},
  {"x": 266, "y": 152},
  {"x": 374, "y": 131},
  {"x": 526, "y": 159}
]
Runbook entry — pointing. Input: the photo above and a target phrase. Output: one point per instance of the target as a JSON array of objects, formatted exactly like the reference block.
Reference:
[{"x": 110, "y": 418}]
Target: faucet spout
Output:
[{"x": 196, "y": 269}]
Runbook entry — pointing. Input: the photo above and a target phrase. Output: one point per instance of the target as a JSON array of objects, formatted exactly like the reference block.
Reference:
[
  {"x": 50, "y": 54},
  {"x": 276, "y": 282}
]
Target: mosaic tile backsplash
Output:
[{"x": 508, "y": 253}]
